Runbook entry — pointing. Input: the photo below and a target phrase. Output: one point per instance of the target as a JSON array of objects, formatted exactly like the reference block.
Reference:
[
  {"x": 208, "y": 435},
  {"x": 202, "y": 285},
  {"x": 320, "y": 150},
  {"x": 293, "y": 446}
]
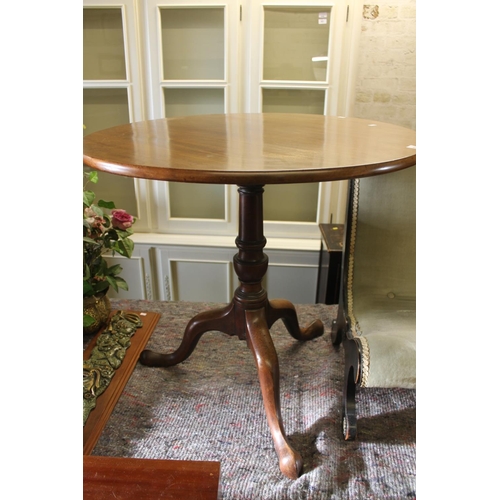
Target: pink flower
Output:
[{"x": 121, "y": 219}]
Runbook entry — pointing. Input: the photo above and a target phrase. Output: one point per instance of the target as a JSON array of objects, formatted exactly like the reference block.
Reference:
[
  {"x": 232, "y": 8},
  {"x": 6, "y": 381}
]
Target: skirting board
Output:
[{"x": 107, "y": 400}]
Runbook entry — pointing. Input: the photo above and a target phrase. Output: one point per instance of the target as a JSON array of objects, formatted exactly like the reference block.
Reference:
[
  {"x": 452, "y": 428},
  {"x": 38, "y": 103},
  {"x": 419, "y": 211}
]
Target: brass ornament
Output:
[
  {"x": 106, "y": 357},
  {"x": 98, "y": 307}
]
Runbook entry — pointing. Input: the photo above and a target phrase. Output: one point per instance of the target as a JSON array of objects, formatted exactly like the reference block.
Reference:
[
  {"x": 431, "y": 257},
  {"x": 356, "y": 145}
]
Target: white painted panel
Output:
[
  {"x": 204, "y": 273},
  {"x": 196, "y": 274},
  {"x": 292, "y": 275},
  {"x": 199, "y": 281},
  {"x": 294, "y": 283},
  {"x": 133, "y": 274}
]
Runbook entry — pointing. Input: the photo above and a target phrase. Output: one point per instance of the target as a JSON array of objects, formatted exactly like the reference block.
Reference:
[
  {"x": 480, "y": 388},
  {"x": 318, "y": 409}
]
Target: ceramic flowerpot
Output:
[{"x": 99, "y": 307}]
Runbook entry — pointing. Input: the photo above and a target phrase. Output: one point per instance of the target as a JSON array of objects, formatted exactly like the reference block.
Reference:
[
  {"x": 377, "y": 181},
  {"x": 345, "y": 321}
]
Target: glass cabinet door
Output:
[
  {"x": 196, "y": 66},
  {"x": 295, "y": 50},
  {"x": 296, "y": 43},
  {"x": 107, "y": 92},
  {"x": 192, "y": 42},
  {"x": 149, "y": 59},
  {"x": 293, "y": 73}
]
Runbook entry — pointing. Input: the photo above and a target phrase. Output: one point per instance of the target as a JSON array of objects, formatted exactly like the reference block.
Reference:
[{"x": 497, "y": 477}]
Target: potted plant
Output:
[{"x": 106, "y": 230}]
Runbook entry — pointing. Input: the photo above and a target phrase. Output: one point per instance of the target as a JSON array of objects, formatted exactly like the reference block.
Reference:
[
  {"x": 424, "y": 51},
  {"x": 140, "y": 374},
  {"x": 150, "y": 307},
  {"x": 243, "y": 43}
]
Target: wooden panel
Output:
[
  {"x": 145, "y": 479},
  {"x": 107, "y": 400}
]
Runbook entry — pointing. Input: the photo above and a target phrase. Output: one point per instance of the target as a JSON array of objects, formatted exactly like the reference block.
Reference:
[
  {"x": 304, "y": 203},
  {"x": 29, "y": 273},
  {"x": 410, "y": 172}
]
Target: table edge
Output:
[{"x": 324, "y": 174}]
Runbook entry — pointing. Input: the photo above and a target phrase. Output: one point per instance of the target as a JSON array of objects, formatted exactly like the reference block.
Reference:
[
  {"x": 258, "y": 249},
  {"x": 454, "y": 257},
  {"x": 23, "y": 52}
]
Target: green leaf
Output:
[
  {"x": 106, "y": 204},
  {"x": 125, "y": 233},
  {"x": 97, "y": 210},
  {"x": 100, "y": 286},
  {"x": 88, "y": 290},
  {"x": 112, "y": 234},
  {"x": 116, "y": 282},
  {"x": 88, "y": 198},
  {"x": 112, "y": 281},
  {"x": 92, "y": 176},
  {"x": 90, "y": 240},
  {"x": 121, "y": 283},
  {"x": 124, "y": 247},
  {"x": 88, "y": 320},
  {"x": 103, "y": 267},
  {"x": 114, "y": 270}
]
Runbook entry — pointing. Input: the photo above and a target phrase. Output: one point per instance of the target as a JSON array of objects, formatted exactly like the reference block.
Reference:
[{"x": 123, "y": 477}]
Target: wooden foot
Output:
[
  {"x": 221, "y": 320},
  {"x": 285, "y": 310},
  {"x": 266, "y": 359}
]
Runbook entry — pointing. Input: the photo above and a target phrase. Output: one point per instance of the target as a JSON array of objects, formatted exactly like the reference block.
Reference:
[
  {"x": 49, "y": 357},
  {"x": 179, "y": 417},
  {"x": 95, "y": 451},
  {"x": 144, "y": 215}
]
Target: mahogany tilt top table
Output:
[{"x": 251, "y": 150}]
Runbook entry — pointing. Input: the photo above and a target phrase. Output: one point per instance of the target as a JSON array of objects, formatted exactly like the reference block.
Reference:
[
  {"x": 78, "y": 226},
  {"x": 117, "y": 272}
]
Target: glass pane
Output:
[
  {"x": 104, "y": 108},
  {"x": 296, "y": 43},
  {"x": 185, "y": 102},
  {"x": 280, "y": 201},
  {"x": 197, "y": 201},
  {"x": 291, "y": 202},
  {"x": 293, "y": 101},
  {"x": 103, "y": 46},
  {"x": 193, "y": 43}
]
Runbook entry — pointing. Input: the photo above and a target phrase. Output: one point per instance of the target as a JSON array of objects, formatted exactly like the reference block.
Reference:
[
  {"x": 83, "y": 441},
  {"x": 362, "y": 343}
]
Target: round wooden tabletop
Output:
[{"x": 251, "y": 149}]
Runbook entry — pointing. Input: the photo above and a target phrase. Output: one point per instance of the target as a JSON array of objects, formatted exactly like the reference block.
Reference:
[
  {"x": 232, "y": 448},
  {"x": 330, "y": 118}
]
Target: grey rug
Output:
[{"x": 210, "y": 408}]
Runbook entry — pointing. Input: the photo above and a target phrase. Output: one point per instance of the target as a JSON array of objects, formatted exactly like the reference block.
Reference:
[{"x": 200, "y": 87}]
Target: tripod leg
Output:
[
  {"x": 285, "y": 310},
  {"x": 219, "y": 319},
  {"x": 266, "y": 359}
]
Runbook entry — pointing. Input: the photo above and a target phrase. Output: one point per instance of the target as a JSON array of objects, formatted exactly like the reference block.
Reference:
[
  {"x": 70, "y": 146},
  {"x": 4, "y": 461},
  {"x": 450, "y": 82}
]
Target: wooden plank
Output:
[
  {"x": 107, "y": 400},
  {"x": 106, "y": 478}
]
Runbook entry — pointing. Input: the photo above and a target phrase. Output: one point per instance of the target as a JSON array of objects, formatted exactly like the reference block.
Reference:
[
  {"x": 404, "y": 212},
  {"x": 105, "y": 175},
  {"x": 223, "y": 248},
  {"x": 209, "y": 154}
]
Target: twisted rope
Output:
[{"x": 355, "y": 328}]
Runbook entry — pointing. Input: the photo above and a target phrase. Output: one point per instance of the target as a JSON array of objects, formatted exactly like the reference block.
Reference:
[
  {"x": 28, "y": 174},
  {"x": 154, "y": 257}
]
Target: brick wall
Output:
[{"x": 386, "y": 73}]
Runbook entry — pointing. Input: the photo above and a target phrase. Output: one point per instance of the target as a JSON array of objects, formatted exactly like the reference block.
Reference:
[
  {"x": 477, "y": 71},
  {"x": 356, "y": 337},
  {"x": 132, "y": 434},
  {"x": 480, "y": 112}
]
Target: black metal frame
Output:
[{"x": 341, "y": 333}]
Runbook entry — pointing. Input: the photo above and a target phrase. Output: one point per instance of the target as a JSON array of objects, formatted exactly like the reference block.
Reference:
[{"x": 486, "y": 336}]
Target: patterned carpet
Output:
[{"x": 210, "y": 408}]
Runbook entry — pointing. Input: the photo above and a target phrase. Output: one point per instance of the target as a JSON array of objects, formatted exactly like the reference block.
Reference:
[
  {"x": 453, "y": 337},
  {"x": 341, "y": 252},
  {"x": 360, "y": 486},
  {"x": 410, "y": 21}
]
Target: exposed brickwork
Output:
[{"x": 386, "y": 74}]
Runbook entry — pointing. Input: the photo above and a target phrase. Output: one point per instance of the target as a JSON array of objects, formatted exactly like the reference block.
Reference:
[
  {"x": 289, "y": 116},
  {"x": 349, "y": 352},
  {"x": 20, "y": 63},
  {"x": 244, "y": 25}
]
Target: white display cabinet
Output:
[{"x": 149, "y": 59}]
